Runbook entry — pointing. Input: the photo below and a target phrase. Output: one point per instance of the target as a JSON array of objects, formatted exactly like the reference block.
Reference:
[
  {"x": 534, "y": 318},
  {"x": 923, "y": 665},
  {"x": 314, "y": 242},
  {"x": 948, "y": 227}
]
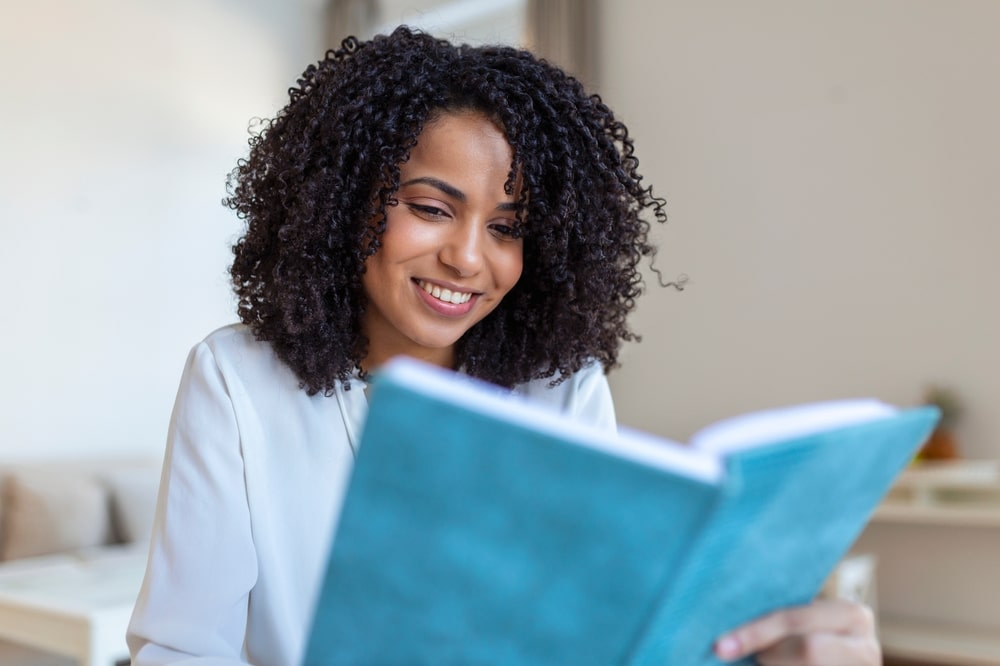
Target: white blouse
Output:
[{"x": 253, "y": 476}]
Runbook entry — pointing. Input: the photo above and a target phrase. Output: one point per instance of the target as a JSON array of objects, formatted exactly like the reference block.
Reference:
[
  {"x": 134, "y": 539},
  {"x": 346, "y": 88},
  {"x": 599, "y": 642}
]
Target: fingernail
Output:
[{"x": 728, "y": 647}]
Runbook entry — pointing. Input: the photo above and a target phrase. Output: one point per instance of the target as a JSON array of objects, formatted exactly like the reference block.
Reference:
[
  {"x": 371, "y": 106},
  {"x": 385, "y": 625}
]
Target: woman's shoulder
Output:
[
  {"x": 234, "y": 339},
  {"x": 238, "y": 354},
  {"x": 548, "y": 386},
  {"x": 585, "y": 394}
]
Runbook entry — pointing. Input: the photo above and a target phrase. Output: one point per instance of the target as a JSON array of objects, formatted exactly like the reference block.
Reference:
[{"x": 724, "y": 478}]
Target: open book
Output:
[{"x": 480, "y": 529}]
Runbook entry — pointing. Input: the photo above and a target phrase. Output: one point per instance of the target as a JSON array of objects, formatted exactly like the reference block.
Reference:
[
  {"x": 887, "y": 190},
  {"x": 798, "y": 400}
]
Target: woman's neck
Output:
[{"x": 444, "y": 358}]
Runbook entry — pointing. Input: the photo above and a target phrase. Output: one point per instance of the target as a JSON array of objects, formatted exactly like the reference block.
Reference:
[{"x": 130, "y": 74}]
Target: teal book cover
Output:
[
  {"x": 478, "y": 529},
  {"x": 789, "y": 513}
]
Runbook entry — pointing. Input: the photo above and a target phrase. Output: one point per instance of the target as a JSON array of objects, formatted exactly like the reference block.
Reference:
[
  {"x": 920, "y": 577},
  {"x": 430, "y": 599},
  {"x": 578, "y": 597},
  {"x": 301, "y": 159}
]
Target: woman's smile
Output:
[{"x": 448, "y": 300}]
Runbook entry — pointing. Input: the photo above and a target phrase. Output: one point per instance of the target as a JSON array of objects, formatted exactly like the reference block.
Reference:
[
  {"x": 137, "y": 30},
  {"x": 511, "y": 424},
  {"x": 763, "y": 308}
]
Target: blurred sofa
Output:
[{"x": 66, "y": 512}]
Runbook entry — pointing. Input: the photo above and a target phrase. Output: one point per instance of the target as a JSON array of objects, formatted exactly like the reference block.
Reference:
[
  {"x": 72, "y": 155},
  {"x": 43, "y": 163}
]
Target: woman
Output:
[{"x": 471, "y": 207}]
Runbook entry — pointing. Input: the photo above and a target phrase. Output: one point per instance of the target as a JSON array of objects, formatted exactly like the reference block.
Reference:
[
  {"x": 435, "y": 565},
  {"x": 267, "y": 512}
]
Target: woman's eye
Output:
[
  {"x": 505, "y": 231},
  {"x": 428, "y": 212}
]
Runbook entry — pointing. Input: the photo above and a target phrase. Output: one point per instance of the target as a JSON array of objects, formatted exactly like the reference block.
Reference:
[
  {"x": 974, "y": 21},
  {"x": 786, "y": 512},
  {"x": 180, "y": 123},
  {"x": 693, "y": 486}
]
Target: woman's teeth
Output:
[{"x": 446, "y": 295}]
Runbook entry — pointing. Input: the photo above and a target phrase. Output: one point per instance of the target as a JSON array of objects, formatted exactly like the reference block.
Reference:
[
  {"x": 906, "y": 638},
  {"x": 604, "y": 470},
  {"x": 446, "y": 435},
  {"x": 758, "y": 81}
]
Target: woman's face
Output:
[{"x": 449, "y": 253}]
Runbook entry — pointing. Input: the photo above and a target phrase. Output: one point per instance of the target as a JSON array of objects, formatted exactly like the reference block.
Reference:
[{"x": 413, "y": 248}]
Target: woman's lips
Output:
[{"x": 448, "y": 301}]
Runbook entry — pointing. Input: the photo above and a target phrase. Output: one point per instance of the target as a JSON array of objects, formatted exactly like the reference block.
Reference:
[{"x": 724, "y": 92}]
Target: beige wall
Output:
[{"x": 833, "y": 177}]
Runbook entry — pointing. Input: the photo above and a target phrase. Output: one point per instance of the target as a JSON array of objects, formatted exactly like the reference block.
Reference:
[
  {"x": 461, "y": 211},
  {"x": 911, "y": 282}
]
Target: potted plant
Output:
[{"x": 942, "y": 444}]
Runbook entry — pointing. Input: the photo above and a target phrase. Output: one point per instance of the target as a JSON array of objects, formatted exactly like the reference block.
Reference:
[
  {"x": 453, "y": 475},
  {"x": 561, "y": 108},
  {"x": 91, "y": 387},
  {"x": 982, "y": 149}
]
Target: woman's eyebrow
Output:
[
  {"x": 450, "y": 190},
  {"x": 454, "y": 192}
]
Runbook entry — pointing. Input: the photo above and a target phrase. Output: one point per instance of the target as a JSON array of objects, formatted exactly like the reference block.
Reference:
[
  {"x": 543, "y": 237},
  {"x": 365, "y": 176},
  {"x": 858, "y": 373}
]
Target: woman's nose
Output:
[{"x": 462, "y": 249}]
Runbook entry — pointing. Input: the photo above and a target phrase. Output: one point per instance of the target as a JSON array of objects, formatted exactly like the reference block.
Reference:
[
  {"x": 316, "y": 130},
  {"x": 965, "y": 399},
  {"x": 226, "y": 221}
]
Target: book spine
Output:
[{"x": 674, "y": 634}]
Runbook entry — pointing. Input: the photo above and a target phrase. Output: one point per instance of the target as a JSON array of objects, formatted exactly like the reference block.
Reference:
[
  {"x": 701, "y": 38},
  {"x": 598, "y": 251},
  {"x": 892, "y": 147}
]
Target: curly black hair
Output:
[{"x": 319, "y": 176}]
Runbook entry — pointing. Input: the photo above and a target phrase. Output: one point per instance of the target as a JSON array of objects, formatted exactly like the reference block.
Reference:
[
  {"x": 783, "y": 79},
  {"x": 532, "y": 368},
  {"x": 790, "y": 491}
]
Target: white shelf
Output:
[
  {"x": 956, "y": 646},
  {"x": 951, "y": 474},
  {"x": 959, "y": 492}
]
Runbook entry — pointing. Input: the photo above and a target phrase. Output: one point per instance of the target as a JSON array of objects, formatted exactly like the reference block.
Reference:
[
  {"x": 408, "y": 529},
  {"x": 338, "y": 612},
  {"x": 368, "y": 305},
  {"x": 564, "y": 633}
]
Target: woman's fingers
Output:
[{"x": 831, "y": 632}]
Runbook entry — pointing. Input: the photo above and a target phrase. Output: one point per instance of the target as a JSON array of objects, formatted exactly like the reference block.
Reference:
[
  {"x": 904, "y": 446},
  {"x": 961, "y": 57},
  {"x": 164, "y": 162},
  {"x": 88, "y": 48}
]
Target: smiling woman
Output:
[
  {"x": 473, "y": 207},
  {"x": 470, "y": 206},
  {"x": 489, "y": 140}
]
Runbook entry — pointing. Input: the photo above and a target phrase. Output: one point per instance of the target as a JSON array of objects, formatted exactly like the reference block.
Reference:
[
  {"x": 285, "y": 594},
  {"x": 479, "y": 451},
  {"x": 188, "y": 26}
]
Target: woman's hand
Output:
[{"x": 833, "y": 632}]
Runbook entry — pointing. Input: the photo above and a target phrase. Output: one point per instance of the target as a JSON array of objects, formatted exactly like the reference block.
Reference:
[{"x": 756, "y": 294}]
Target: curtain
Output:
[{"x": 564, "y": 32}]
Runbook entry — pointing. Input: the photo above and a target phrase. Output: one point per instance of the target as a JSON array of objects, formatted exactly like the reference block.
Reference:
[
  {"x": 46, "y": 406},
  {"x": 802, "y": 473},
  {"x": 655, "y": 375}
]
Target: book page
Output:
[
  {"x": 475, "y": 395},
  {"x": 668, "y": 454},
  {"x": 774, "y": 425}
]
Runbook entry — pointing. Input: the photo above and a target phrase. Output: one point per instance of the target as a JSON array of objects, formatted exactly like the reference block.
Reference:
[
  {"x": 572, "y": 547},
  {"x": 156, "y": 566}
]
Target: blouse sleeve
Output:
[
  {"x": 192, "y": 607},
  {"x": 585, "y": 396},
  {"x": 591, "y": 401}
]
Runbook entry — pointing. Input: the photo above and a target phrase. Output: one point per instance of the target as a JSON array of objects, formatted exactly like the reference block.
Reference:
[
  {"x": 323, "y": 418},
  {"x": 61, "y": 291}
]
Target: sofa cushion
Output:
[
  {"x": 52, "y": 512},
  {"x": 133, "y": 501}
]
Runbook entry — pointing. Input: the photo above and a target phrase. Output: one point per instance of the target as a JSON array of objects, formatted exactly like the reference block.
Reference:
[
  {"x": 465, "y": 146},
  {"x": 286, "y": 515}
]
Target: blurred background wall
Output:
[
  {"x": 833, "y": 177},
  {"x": 120, "y": 120},
  {"x": 831, "y": 171}
]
